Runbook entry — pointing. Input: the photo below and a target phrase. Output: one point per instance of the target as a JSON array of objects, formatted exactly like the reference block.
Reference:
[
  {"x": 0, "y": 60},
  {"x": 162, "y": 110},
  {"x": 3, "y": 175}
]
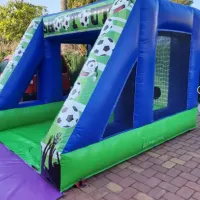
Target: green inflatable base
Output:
[
  {"x": 25, "y": 142},
  {"x": 22, "y": 130},
  {"x": 86, "y": 162}
]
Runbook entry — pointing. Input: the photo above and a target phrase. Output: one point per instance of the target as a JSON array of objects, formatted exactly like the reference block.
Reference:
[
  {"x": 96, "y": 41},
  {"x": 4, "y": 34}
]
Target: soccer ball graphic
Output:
[
  {"x": 45, "y": 27},
  {"x": 33, "y": 25},
  {"x": 104, "y": 47},
  {"x": 66, "y": 22},
  {"x": 10, "y": 66},
  {"x": 85, "y": 18},
  {"x": 57, "y": 24},
  {"x": 25, "y": 39},
  {"x": 90, "y": 69},
  {"x": 108, "y": 25},
  {"x": 19, "y": 51},
  {"x": 68, "y": 116},
  {"x": 49, "y": 26},
  {"x": 75, "y": 91},
  {"x": 120, "y": 5}
]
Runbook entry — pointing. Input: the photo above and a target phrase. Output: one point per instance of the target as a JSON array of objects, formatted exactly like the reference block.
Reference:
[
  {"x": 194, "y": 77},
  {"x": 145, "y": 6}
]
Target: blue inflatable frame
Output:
[
  {"x": 127, "y": 90},
  {"x": 152, "y": 18}
]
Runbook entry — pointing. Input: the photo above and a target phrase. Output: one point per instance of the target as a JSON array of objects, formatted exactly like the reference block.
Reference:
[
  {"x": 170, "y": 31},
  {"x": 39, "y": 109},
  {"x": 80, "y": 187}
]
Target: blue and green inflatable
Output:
[{"x": 136, "y": 90}]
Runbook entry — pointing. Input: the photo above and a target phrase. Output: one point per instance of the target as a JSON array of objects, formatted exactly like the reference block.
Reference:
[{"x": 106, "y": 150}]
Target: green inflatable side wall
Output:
[
  {"x": 24, "y": 141},
  {"x": 31, "y": 115},
  {"x": 22, "y": 129},
  {"x": 98, "y": 157}
]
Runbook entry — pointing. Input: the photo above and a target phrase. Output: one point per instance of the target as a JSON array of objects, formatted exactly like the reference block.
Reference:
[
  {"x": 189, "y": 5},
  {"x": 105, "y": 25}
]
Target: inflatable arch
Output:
[{"x": 143, "y": 69}]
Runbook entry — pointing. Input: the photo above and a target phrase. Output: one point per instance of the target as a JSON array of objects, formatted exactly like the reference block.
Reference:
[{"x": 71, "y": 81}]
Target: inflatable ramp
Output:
[{"x": 136, "y": 90}]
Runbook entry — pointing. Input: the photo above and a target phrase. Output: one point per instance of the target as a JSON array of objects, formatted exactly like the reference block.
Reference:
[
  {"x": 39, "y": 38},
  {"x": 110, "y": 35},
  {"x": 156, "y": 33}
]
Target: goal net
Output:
[{"x": 161, "y": 80}]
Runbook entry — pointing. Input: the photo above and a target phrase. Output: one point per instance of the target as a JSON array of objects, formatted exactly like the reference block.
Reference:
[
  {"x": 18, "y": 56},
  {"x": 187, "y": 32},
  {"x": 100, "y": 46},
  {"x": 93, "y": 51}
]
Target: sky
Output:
[
  {"x": 54, "y": 5},
  {"x": 196, "y": 4}
]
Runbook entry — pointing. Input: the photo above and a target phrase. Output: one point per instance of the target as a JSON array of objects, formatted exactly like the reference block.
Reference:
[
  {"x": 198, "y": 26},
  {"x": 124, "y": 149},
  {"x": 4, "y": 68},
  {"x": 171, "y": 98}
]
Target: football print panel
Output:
[
  {"x": 120, "y": 5},
  {"x": 90, "y": 68},
  {"x": 104, "y": 47},
  {"x": 66, "y": 22},
  {"x": 85, "y": 18},
  {"x": 75, "y": 92},
  {"x": 68, "y": 116}
]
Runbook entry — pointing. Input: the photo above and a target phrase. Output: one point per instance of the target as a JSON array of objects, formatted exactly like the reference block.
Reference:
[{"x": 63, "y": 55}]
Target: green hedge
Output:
[
  {"x": 7, "y": 49},
  {"x": 2, "y": 55},
  {"x": 75, "y": 63}
]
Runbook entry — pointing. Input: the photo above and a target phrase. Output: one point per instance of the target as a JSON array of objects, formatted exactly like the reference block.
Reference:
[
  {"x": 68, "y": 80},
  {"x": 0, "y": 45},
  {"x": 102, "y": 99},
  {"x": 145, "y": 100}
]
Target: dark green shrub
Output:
[{"x": 75, "y": 63}]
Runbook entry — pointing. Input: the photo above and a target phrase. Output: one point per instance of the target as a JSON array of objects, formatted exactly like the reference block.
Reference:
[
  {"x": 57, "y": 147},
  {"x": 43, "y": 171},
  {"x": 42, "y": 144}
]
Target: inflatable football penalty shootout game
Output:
[{"x": 136, "y": 90}]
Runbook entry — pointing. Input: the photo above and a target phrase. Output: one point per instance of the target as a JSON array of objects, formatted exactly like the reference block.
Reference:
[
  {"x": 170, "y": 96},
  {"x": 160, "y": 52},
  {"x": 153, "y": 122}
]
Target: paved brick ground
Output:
[{"x": 170, "y": 171}]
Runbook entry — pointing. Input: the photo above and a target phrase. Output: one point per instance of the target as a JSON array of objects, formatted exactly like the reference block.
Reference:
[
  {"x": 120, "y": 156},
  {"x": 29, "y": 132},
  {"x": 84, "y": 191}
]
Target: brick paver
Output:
[
  {"x": 114, "y": 187},
  {"x": 170, "y": 171}
]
